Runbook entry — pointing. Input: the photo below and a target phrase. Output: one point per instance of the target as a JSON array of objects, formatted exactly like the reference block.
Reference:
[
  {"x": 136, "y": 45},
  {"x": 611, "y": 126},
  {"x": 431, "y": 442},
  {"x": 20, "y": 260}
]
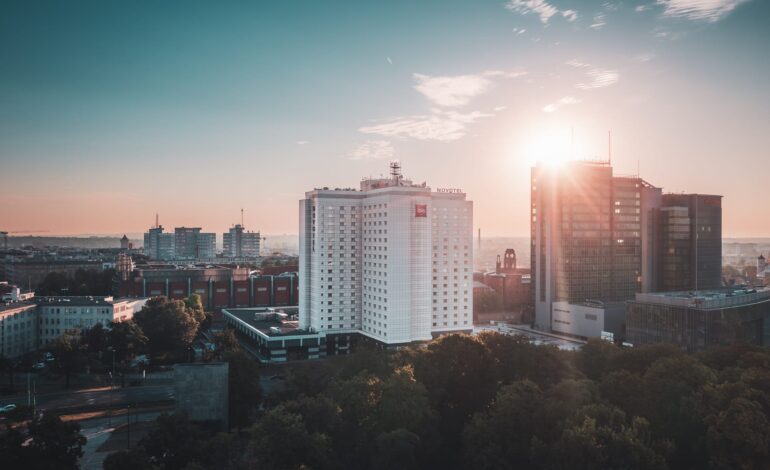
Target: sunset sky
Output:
[{"x": 113, "y": 111}]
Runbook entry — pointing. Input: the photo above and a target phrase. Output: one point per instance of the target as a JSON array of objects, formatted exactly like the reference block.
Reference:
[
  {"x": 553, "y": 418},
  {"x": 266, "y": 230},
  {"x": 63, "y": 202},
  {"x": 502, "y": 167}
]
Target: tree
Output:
[
  {"x": 396, "y": 449},
  {"x": 503, "y": 434},
  {"x": 456, "y": 371},
  {"x": 598, "y": 438},
  {"x": 596, "y": 357},
  {"x": 244, "y": 389},
  {"x": 225, "y": 343},
  {"x": 95, "y": 339},
  {"x": 739, "y": 436},
  {"x": 281, "y": 441},
  {"x": 70, "y": 356},
  {"x": 488, "y": 301},
  {"x": 134, "y": 459},
  {"x": 53, "y": 444},
  {"x": 127, "y": 339},
  {"x": 170, "y": 325},
  {"x": 173, "y": 441}
]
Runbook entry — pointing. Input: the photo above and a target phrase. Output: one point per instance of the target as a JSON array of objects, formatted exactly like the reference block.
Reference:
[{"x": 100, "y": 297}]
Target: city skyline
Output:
[{"x": 112, "y": 114}]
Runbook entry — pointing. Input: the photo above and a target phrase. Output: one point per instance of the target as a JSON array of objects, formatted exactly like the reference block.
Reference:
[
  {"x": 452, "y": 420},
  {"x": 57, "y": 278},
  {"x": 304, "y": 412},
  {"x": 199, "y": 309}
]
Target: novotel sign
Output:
[{"x": 449, "y": 190}]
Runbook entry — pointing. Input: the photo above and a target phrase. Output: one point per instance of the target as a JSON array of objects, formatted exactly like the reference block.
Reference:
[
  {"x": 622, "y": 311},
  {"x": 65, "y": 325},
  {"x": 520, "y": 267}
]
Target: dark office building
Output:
[
  {"x": 592, "y": 237},
  {"x": 690, "y": 228},
  {"x": 697, "y": 321}
]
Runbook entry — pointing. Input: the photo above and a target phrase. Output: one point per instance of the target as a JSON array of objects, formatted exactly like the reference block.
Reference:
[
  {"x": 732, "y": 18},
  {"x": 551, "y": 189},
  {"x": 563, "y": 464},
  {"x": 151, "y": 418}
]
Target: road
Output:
[{"x": 95, "y": 399}]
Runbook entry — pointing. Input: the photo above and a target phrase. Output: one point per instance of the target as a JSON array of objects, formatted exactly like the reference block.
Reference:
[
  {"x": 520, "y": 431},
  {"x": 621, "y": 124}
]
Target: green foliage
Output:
[
  {"x": 127, "y": 339},
  {"x": 490, "y": 402},
  {"x": 245, "y": 392},
  {"x": 53, "y": 444},
  {"x": 83, "y": 282},
  {"x": 70, "y": 356},
  {"x": 170, "y": 325}
]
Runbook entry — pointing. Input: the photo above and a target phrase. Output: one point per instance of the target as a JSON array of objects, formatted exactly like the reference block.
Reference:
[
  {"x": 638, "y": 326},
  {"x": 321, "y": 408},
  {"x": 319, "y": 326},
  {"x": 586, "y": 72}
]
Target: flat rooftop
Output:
[
  {"x": 263, "y": 320},
  {"x": 707, "y": 299},
  {"x": 5, "y": 307}
]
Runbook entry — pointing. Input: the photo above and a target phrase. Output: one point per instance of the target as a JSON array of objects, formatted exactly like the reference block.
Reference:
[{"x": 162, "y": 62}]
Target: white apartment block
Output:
[
  {"x": 392, "y": 261},
  {"x": 27, "y": 326}
]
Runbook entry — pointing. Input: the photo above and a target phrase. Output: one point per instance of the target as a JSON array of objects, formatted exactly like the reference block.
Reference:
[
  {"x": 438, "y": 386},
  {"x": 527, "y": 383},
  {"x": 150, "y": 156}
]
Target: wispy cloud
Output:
[
  {"x": 389, "y": 60},
  {"x": 703, "y": 10},
  {"x": 303, "y": 142},
  {"x": 600, "y": 19},
  {"x": 519, "y": 31},
  {"x": 440, "y": 125},
  {"x": 456, "y": 91},
  {"x": 599, "y": 78},
  {"x": 576, "y": 63},
  {"x": 641, "y": 8},
  {"x": 452, "y": 91},
  {"x": 541, "y": 8},
  {"x": 645, "y": 57},
  {"x": 372, "y": 150},
  {"x": 560, "y": 103}
]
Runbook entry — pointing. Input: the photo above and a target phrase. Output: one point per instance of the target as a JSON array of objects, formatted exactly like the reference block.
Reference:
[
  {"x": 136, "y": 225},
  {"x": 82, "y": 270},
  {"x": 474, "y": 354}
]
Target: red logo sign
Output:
[{"x": 421, "y": 210}]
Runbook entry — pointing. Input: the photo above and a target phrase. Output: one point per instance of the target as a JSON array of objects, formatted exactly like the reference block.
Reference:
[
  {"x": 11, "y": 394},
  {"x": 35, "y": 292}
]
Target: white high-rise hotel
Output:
[{"x": 392, "y": 261}]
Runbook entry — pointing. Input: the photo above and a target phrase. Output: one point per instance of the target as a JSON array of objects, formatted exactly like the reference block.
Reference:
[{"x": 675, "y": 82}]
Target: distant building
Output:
[
  {"x": 191, "y": 244},
  {"x": 19, "y": 329},
  {"x": 511, "y": 283},
  {"x": 4, "y": 240},
  {"x": 159, "y": 245},
  {"x": 124, "y": 265},
  {"x": 391, "y": 261},
  {"x": 29, "y": 273},
  {"x": 239, "y": 243},
  {"x": 218, "y": 286},
  {"x": 697, "y": 321},
  {"x": 124, "y": 243}
]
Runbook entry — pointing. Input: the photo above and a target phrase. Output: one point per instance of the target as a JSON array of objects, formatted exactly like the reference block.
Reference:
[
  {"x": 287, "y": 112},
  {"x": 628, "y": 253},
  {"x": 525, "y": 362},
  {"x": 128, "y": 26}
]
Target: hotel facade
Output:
[{"x": 392, "y": 261}]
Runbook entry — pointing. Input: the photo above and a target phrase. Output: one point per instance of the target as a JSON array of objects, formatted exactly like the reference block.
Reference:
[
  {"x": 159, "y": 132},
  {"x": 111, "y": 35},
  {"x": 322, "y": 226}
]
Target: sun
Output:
[{"x": 550, "y": 148}]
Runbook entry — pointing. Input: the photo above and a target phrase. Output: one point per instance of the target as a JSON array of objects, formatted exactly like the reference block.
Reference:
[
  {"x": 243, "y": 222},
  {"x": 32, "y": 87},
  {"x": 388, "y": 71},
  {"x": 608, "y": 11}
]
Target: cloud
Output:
[
  {"x": 540, "y": 7},
  {"x": 389, "y": 61},
  {"x": 456, "y": 91},
  {"x": 303, "y": 142},
  {"x": 576, "y": 63},
  {"x": 570, "y": 15},
  {"x": 565, "y": 101},
  {"x": 599, "y": 78},
  {"x": 519, "y": 31},
  {"x": 440, "y": 126},
  {"x": 452, "y": 91},
  {"x": 600, "y": 19},
  {"x": 699, "y": 10},
  {"x": 372, "y": 150},
  {"x": 641, "y": 8},
  {"x": 645, "y": 57}
]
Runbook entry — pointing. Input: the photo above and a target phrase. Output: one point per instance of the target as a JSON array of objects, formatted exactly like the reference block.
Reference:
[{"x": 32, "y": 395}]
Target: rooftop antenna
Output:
[
  {"x": 395, "y": 170},
  {"x": 609, "y": 146},
  {"x": 156, "y": 220},
  {"x": 241, "y": 217}
]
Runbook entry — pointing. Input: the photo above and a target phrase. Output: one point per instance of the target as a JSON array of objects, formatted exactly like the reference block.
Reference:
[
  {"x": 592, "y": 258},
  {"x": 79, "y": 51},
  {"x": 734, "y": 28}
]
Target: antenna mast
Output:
[
  {"x": 241, "y": 217},
  {"x": 156, "y": 220},
  {"x": 609, "y": 146}
]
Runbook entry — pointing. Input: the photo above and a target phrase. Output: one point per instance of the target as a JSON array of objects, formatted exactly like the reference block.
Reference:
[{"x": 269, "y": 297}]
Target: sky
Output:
[{"x": 111, "y": 112}]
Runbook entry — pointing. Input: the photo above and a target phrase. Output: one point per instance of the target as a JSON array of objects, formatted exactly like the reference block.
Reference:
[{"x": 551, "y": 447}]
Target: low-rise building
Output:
[
  {"x": 275, "y": 336},
  {"x": 698, "y": 320}
]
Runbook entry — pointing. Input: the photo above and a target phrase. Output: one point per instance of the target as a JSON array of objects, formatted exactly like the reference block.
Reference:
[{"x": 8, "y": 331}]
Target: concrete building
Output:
[
  {"x": 159, "y": 245},
  {"x": 206, "y": 404},
  {"x": 191, "y": 244},
  {"x": 71, "y": 315},
  {"x": 4, "y": 240},
  {"x": 391, "y": 261},
  {"x": 275, "y": 336},
  {"x": 19, "y": 328},
  {"x": 697, "y": 321},
  {"x": 124, "y": 243},
  {"x": 691, "y": 242},
  {"x": 30, "y": 325},
  {"x": 238, "y": 243},
  {"x": 593, "y": 246},
  {"x": 218, "y": 286}
]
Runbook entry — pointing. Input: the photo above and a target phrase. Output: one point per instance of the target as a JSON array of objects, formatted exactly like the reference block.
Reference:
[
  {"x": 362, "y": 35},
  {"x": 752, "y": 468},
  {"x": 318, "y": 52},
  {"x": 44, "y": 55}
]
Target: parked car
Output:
[
  {"x": 7, "y": 408},
  {"x": 39, "y": 365}
]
